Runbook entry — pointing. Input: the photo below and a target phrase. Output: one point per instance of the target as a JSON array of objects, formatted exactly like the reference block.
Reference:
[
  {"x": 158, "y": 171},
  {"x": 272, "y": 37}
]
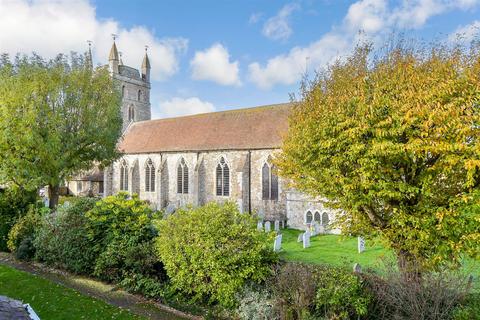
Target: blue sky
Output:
[{"x": 216, "y": 55}]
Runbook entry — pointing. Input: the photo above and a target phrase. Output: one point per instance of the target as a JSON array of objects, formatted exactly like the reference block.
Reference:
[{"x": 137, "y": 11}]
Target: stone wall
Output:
[{"x": 245, "y": 171}]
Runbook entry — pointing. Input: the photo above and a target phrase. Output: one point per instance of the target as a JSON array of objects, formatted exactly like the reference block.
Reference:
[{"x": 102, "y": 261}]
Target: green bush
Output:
[
  {"x": 340, "y": 294},
  {"x": 14, "y": 203},
  {"x": 255, "y": 303},
  {"x": 22, "y": 234},
  {"x": 121, "y": 229},
  {"x": 61, "y": 238},
  {"x": 469, "y": 309},
  {"x": 209, "y": 252}
]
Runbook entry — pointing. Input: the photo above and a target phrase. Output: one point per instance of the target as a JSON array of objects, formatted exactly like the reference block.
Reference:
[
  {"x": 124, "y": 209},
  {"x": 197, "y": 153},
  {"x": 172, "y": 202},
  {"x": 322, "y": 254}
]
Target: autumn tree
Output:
[
  {"x": 57, "y": 118},
  {"x": 390, "y": 138}
]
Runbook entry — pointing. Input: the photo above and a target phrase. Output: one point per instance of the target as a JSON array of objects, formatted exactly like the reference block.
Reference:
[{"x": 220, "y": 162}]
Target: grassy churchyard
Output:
[{"x": 342, "y": 251}]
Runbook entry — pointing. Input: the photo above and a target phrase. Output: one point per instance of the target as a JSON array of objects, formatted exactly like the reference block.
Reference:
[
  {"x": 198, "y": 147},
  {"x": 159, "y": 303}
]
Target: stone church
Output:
[{"x": 192, "y": 160}]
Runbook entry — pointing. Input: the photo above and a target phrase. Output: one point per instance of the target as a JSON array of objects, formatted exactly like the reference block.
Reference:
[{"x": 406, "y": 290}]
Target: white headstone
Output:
[
  {"x": 361, "y": 244},
  {"x": 300, "y": 237},
  {"x": 46, "y": 202},
  {"x": 306, "y": 240},
  {"x": 267, "y": 226},
  {"x": 277, "y": 245},
  {"x": 170, "y": 208},
  {"x": 277, "y": 225},
  {"x": 260, "y": 225},
  {"x": 283, "y": 224},
  {"x": 357, "y": 268}
]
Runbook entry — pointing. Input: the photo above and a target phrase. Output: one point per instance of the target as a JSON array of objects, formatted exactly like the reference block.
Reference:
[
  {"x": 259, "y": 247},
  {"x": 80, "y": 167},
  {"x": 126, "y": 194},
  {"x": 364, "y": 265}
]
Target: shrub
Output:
[
  {"x": 21, "y": 236},
  {"x": 294, "y": 290},
  {"x": 14, "y": 203},
  {"x": 434, "y": 296},
  {"x": 469, "y": 309},
  {"x": 121, "y": 228},
  {"x": 209, "y": 252},
  {"x": 61, "y": 238},
  {"x": 255, "y": 303},
  {"x": 340, "y": 294}
]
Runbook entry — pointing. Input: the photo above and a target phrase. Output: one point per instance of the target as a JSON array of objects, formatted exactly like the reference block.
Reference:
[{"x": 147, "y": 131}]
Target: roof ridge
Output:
[{"x": 257, "y": 108}]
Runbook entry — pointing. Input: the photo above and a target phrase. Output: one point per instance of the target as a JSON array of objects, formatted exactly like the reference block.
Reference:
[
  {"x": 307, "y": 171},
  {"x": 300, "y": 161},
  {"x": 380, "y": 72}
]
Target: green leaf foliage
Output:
[
  {"x": 57, "y": 118},
  {"x": 392, "y": 139},
  {"x": 210, "y": 251}
]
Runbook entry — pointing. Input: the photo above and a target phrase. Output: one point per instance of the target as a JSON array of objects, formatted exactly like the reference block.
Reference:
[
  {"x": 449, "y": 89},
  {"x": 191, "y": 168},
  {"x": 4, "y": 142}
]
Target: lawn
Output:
[
  {"x": 54, "y": 301},
  {"x": 342, "y": 251}
]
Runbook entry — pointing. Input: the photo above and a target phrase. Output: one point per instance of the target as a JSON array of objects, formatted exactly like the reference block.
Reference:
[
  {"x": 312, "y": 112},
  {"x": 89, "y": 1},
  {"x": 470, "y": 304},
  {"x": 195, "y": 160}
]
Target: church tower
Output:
[{"x": 134, "y": 86}]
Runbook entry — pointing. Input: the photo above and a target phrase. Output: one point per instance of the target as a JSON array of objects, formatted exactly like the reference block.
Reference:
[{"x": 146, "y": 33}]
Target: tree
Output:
[
  {"x": 57, "y": 118},
  {"x": 391, "y": 140}
]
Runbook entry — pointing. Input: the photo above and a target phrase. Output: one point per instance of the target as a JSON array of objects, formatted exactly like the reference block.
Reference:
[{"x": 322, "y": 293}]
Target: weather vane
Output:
[
  {"x": 146, "y": 48},
  {"x": 89, "y": 43},
  {"x": 114, "y": 36}
]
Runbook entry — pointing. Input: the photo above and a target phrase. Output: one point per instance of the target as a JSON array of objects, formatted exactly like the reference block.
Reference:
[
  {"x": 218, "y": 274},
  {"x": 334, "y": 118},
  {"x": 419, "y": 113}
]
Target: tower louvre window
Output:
[
  {"x": 123, "y": 176},
  {"x": 182, "y": 177},
  {"x": 269, "y": 182},
  {"x": 139, "y": 95},
  {"x": 223, "y": 178},
  {"x": 131, "y": 113},
  {"x": 149, "y": 176}
]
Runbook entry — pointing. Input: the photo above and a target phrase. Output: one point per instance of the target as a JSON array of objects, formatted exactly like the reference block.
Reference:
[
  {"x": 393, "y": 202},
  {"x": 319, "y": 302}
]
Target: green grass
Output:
[
  {"x": 342, "y": 251},
  {"x": 54, "y": 301}
]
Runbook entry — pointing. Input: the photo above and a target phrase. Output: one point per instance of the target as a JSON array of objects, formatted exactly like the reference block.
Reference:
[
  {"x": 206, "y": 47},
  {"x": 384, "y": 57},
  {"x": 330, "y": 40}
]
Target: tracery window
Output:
[
  {"x": 269, "y": 182},
  {"x": 317, "y": 217},
  {"x": 182, "y": 177},
  {"x": 308, "y": 217},
  {"x": 325, "y": 219},
  {"x": 223, "y": 178},
  {"x": 149, "y": 176},
  {"x": 124, "y": 176},
  {"x": 139, "y": 95}
]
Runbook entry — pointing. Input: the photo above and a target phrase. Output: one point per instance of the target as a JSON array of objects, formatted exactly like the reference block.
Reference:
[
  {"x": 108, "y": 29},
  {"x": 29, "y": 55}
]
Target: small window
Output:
[
  {"x": 269, "y": 182},
  {"x": 325, "y": 219},
  {"x": 123, "y": 91},
  {"x": 100, "y": 187},
  {"x": 182, "y": 177},
  {"x": 79, "y": 186},
  {"x": 124, "y": 176},
  {"x": 308, "y": 217},
  {"x": 131, "y": 113},
  {"x": 223, "y": 178},
  {"x": 139, "y": 95},
  {"x": 149, "y": 176},
  {"x": 317, "y": 217}
]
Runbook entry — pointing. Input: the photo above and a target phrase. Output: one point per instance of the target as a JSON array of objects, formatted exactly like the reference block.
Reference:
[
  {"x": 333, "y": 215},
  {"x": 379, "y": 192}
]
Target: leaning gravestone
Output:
[
  {"x": 357, "y": 268},
  {"x": 277, "y": 245},
  {"x": 306, "y": 240},
  {"x": 300, "y": 237},
  {"x": 267, "y": 226},
  {"x": 260, "y": 226},
  {"x": 361, "y": 244},
  {"x": 277, "y": 225}
]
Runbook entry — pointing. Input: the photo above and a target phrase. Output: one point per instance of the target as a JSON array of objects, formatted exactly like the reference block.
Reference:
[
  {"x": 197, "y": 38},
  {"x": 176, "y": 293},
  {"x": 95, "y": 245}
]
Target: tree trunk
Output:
[
  {"x": 408, "y": 266},
  {"x": 53, "y": 194}
]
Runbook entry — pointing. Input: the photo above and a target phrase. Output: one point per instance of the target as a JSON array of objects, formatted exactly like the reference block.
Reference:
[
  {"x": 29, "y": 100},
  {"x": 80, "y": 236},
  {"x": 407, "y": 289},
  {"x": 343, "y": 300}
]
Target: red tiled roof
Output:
[{"x": 252, "y": 128}]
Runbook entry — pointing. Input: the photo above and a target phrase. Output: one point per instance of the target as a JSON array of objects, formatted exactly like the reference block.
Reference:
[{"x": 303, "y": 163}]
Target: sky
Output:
[{"x": 218, "y": 55}]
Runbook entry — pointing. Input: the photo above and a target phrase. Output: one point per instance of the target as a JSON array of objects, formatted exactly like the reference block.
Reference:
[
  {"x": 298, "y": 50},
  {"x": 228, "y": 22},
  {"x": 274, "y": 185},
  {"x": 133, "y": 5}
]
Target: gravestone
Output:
[
  {"x": 277, "y": 225},
  {"x": 300, "y": 237},
  {"x": 306, "y": 240},
  {"x": 268, "y": 228},
  {"x": 277, "y": 245},
  {"x": 361, "y": 244},
  {"x": 260, "y": 226},
  {"x": 170, "y": 209},
  {"x": 357, "y": 268}
]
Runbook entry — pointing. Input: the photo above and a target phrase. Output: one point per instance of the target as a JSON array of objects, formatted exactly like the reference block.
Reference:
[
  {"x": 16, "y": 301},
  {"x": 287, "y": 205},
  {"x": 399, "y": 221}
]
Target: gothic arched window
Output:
[
  {"x": 269, "y": 182},
  {"x": 149, "y": 176},
  {"x": 139, "y": 95},
  {"x": 131, "y": 113},
  {"x": 325, "y": 219},
  {"x": 223, "y": 178},
  {"x": 182, "y": 177},
  {"x": 124, "y": 176},
  {"x": 308, "y": 217},
  {"x": 317, "y": 217}
]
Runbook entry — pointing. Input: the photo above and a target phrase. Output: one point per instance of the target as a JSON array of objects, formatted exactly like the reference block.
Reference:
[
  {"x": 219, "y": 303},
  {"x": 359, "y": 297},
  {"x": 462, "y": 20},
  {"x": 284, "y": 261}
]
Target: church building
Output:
[{"x": 193, "y": 160}]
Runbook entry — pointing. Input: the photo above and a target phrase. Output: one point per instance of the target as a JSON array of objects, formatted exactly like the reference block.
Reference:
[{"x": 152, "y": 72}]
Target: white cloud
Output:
[
  {"x": 255, "y": 17},
  {"x": 467, "y": 33},
  {"x": 52, "y": 27},
  {"x": 278, "y": 26},
  {"x": 182, "y": 106},
  {"x": 214, "y": 64},
  {"x": 374, "y": 17}
]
